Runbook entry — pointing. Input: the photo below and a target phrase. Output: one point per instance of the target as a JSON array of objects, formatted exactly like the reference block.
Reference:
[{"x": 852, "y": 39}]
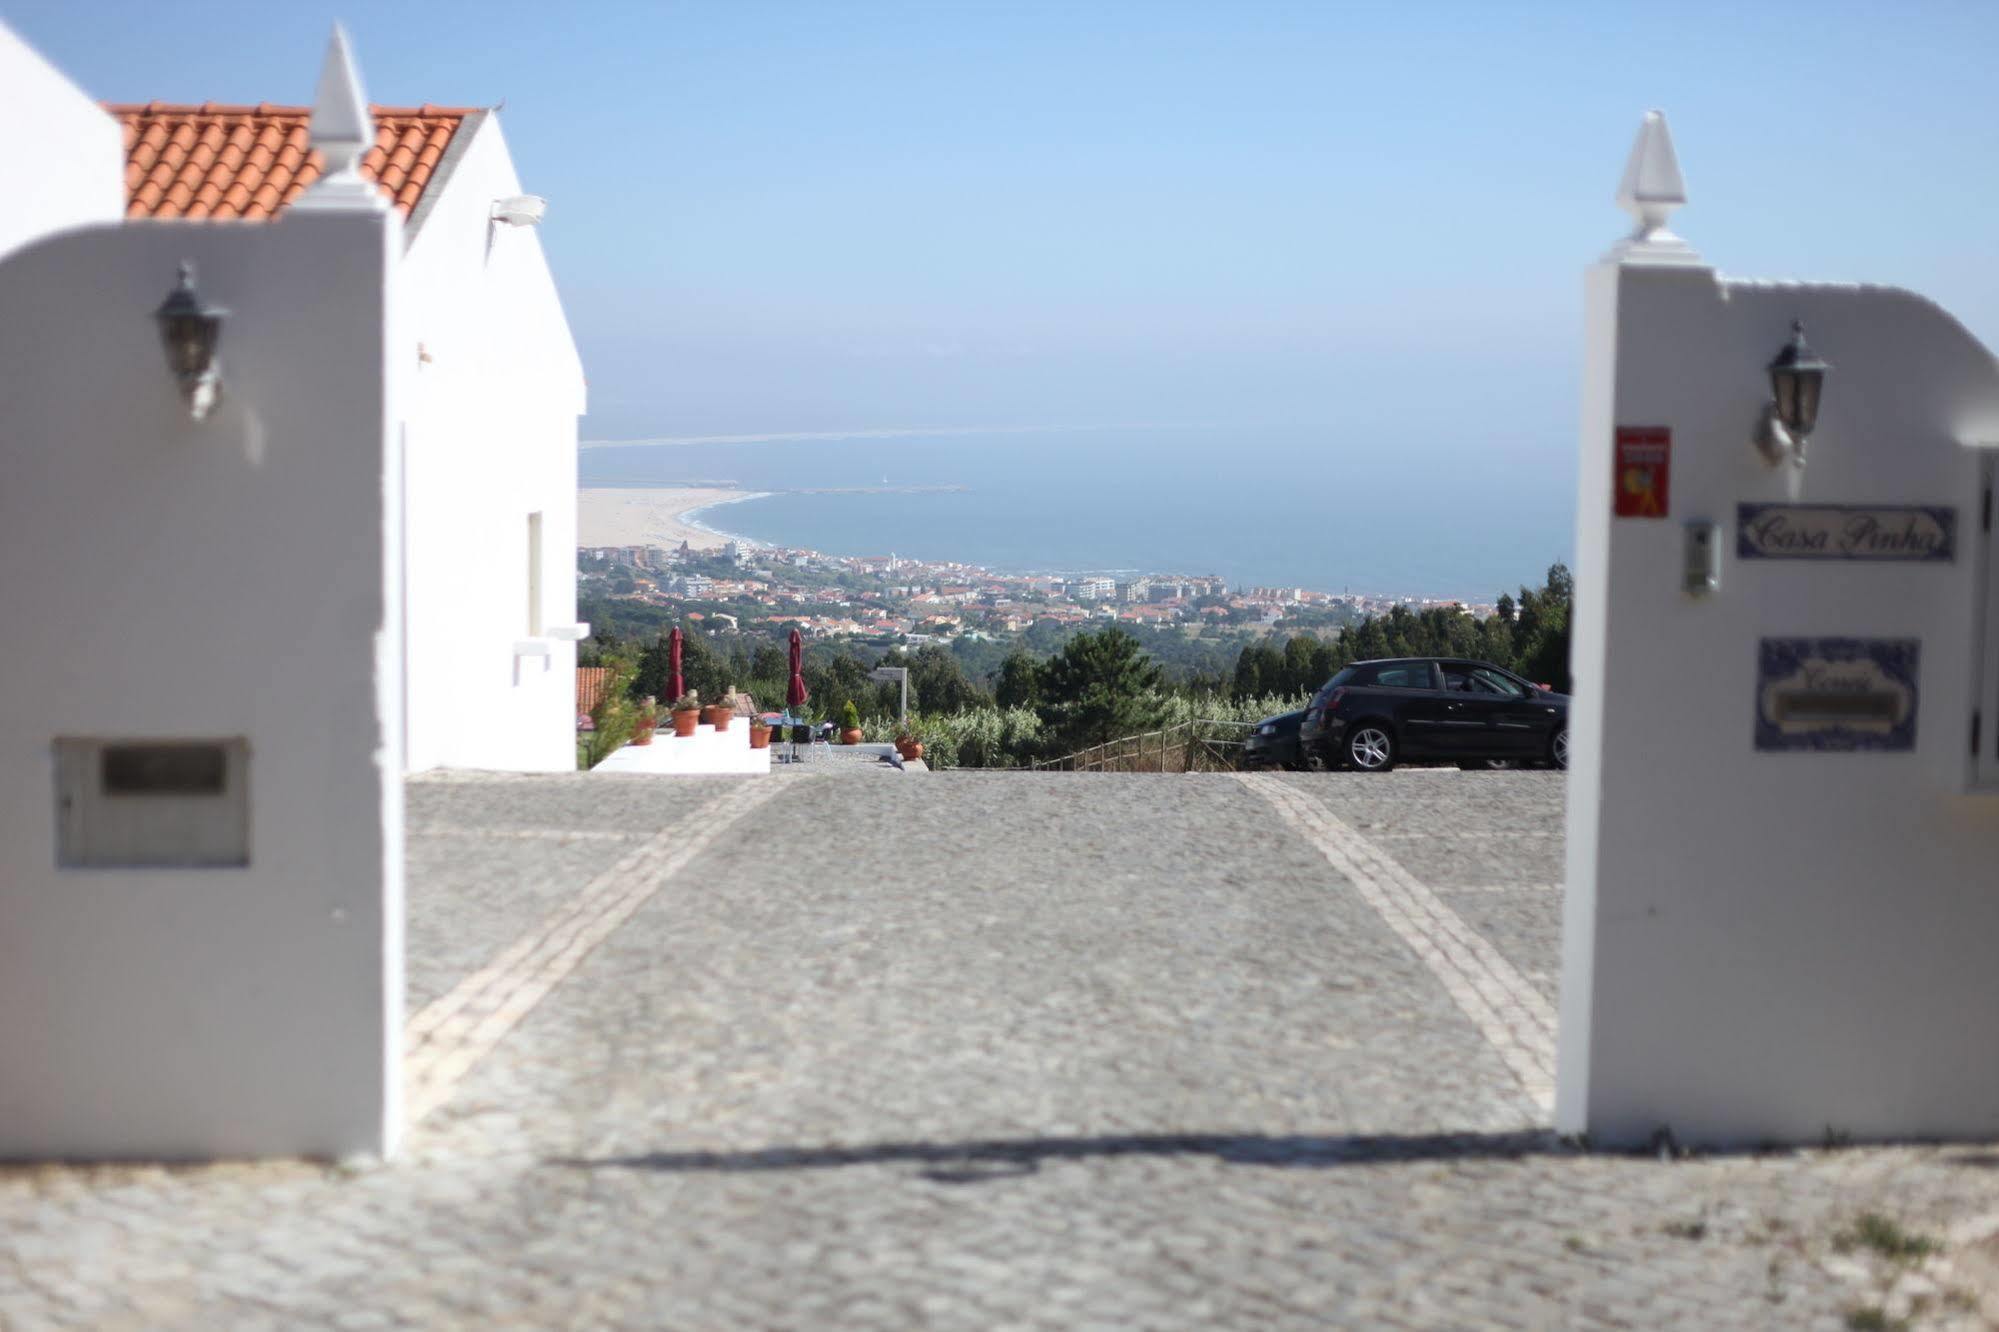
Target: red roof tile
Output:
[
  {"x": 213, "y": 161},
  {"x": 590, "y": 682}
]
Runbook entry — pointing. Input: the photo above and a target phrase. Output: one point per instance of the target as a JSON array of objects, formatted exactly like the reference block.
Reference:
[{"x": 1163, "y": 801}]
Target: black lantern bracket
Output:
[
  {"x": 1797, "y": 379},
  {"x": 190, "y": 329}
]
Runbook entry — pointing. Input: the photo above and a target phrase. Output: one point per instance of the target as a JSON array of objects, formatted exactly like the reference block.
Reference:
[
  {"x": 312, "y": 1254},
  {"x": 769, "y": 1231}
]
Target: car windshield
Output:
[{"x": 1498, "y": 682}]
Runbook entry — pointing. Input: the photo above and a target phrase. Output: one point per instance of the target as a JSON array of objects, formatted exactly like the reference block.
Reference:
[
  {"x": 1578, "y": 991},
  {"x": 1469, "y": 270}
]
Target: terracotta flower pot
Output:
[
  {"x": 685, "y": 720},
  {"x": 642, "y": 732},
  {"x": 722, "y": 713},
  {"x": 759, "y": 736},
  {"x": 909, "y": 749},
  {"x": 851, "y": 736}
]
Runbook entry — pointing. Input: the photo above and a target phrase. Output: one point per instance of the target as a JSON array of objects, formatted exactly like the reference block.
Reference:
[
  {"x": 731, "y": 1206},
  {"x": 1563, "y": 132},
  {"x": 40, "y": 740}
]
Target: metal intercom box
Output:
[{"x": 152, "y": 803}]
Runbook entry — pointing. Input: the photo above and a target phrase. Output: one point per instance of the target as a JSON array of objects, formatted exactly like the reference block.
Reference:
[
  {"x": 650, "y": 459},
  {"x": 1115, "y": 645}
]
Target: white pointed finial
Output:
[
  {"x": 1651, "y": 189},
  {"x": 342, "y": 131}
]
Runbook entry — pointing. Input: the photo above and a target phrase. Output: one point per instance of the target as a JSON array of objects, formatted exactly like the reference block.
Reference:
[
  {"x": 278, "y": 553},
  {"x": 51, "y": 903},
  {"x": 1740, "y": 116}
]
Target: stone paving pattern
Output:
[{"x": 969, "y": 1050}]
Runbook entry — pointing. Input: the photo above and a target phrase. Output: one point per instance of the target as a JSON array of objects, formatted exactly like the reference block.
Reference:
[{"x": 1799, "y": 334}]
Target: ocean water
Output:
[{"x": 1259, "y": 507}]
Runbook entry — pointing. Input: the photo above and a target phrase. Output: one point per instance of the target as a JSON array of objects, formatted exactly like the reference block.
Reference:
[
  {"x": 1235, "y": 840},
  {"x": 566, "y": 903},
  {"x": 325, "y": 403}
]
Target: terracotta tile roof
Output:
[
  {"x": 214, "y": 161},
  {"x": 590, "y": 682}
]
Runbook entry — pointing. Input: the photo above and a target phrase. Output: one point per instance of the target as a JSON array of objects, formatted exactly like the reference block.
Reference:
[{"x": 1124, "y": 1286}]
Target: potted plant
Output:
[
  {"x": 717, "y": 714},
  {"x": 759, "y": 733},
  {"x": 686, "y": 714},
  {"x": 645, "y": 721},
  {"x": 907, "y": 745},
  {"x": 850, "y": 724}
]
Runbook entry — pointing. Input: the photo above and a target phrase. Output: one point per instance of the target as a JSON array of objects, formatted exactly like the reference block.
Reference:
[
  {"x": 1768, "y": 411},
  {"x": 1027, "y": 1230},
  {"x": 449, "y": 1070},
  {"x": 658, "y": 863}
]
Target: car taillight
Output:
[{"x": 1333, "y": 699}]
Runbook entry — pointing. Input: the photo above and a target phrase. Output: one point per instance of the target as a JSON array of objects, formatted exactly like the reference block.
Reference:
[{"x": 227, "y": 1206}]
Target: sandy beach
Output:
[{"x": 649, "y": 516}]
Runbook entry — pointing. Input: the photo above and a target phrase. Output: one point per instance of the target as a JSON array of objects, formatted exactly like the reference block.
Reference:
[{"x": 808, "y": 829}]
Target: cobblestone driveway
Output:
[{"x": 978, "y": 1051}]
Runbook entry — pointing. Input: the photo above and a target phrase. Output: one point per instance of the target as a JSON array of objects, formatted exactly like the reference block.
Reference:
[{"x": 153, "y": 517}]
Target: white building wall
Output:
[
  {"x": 173, "y": 580},
  {"x": 1771, "y": 946},
  {"x": 492, "y": 438},
  {"x": 66, "y": 150}
]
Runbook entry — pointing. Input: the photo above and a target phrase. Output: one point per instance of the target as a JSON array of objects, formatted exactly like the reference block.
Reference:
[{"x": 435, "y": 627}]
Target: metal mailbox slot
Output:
[{"x": 151, "y": 803}]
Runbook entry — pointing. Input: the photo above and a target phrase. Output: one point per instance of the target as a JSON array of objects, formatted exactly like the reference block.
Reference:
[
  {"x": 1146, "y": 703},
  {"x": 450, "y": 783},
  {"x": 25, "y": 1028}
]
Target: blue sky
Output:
[{"x": 823, "y": 216}]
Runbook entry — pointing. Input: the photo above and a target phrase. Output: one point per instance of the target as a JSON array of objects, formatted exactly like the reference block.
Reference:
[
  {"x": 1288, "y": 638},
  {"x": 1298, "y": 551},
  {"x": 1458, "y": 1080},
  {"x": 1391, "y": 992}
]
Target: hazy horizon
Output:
[
  {"x": 852, "y": 220},
  {"x": 1136, "y": 500}
]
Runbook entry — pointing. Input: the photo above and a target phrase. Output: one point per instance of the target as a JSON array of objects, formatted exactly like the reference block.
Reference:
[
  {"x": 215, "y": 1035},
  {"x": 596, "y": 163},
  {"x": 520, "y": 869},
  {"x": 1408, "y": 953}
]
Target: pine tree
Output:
[
  {"x": 1019, "y": 683},
  {"x": 1247, "y": 681},
  {"x": 1301, "y": 667},
  {"x": 1100, "y": 687},
  {"x": 1544, "y": 653},
  {"x": 937, "y": 683}
]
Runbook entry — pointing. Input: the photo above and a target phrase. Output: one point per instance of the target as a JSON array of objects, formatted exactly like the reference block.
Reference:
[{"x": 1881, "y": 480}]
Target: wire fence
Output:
[{"x": 1204, "y": 745}]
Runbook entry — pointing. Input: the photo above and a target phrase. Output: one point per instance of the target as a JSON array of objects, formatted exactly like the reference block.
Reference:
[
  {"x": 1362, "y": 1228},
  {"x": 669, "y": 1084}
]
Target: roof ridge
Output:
[
  {"x": 227, "y": 160},
  {"x": 157, "y": 108}
]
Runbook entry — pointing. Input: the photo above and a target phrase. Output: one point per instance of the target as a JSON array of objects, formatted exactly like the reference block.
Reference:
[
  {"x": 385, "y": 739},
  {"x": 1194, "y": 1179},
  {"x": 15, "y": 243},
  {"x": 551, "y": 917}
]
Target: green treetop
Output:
[{"x": 1099, "y": 687}]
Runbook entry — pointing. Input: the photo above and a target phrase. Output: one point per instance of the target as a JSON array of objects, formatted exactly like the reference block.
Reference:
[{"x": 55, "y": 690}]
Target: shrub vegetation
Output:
[{"x": 1091, "y": 686}]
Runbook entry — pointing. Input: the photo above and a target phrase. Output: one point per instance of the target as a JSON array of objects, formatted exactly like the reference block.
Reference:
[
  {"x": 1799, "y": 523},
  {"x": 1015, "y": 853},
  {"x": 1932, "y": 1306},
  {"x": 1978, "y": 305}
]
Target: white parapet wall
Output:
[
  {"x": 204, "y": 666},
  {"x": 706, "y": 752},
  {"x": 1783, "y": 876}
]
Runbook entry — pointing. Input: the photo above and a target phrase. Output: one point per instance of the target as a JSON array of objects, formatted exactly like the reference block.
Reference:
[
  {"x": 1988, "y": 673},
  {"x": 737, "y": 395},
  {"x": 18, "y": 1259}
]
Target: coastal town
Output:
[
  {"x": 458, "y": 874},
  {"x": 890, "y": 598}
]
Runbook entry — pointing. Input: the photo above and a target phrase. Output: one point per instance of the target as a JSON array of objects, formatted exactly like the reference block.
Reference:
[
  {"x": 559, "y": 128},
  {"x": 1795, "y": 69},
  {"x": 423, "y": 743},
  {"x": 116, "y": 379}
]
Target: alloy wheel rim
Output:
[
  {"x": 1562, "y": 749},
  {"x": 1370, "y": 748}
]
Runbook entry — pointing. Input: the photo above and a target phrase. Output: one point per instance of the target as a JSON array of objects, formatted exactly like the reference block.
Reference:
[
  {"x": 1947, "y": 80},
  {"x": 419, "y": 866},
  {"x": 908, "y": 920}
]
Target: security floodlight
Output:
[
  {"x": 1797, "y": 378},
  {"x": 190, "y": 328},
  {"x": 520, "y": 210}
]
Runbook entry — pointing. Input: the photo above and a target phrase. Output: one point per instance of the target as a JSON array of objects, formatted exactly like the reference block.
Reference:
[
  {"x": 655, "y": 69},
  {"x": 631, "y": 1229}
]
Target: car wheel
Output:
[
  {"x": 1558, "y": 749},
  {"x": 1370, "y": 747}
]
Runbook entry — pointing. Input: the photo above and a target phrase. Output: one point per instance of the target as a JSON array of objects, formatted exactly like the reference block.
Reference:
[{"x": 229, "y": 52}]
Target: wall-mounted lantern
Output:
[
  {"x": 1797, "y": 376},
  {"x": 190, "y": 329}
]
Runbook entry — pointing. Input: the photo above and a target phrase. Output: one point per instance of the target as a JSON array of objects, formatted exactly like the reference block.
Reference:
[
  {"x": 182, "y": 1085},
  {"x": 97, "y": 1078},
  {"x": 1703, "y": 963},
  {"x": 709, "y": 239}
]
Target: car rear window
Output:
[{"x": 1397, "y": 675}]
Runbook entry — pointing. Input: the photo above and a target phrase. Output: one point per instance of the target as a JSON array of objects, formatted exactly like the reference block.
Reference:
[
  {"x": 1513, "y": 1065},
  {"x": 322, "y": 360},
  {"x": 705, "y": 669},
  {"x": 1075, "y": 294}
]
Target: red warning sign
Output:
[{"x": 1644, "y": 467}]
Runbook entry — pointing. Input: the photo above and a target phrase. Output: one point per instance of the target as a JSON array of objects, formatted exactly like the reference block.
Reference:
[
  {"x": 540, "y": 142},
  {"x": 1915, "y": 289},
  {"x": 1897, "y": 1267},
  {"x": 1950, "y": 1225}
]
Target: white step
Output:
[{"x": 706, "y": 752}]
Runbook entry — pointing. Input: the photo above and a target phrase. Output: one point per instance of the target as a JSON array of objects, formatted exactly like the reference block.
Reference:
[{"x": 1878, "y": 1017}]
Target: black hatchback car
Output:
[
  {"x": 1273, "y": 742},
  {"x": 1376, "y": 713}
]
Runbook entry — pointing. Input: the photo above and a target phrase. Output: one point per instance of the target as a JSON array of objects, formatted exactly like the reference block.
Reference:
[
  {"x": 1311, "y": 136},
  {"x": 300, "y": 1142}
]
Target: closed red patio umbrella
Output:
[
  {"x": 675, "y": 684},
  {"x": 795, "y": 692}
]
